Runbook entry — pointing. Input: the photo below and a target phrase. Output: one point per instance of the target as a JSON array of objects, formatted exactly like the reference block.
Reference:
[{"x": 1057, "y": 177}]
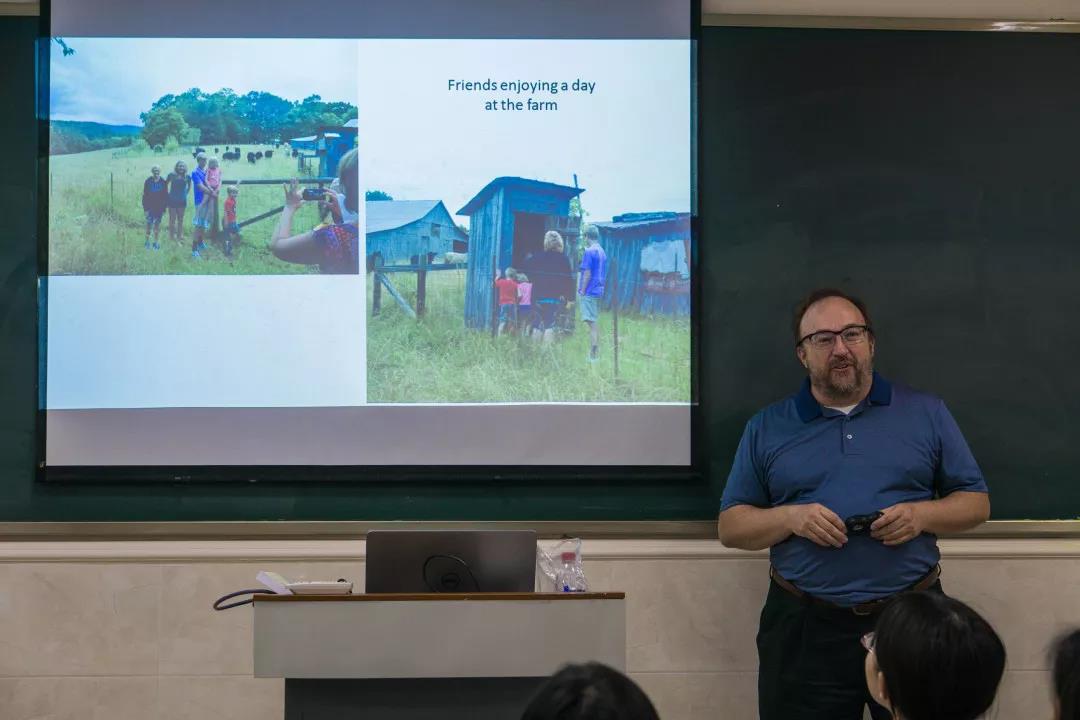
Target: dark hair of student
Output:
[
  {"x": 1066, "y": 661},
  {"x": 819, "y": 295},
  {"x": 589, "y": 692},
  {"x": 939, "y": 658}
]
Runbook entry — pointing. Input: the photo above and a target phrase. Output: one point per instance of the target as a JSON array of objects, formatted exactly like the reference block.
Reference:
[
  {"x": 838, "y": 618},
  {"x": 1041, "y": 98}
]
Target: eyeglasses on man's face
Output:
[
  {"x": 867, "y": 641},
  {"x": 851, "y": 335}
]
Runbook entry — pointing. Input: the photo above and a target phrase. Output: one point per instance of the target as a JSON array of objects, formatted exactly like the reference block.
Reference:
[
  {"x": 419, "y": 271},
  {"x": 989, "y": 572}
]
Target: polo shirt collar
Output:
[{"x": 809, "y": 408}]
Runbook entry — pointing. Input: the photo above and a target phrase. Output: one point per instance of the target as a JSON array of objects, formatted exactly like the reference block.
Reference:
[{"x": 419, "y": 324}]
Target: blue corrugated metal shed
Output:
[
  {"x": 663, "y": 286},
  {"x": 505, "y": 210},
  {"x": 537, "y": 187},
  {"x": 401, "y": 229}
]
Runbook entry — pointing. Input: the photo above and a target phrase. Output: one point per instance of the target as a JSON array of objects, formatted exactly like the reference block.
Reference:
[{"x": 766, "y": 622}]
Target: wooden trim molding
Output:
[
  {"x": 847, "y": 22},
  {"x": 17, "y": 7},
  {"x": 353, "y": 530},
  {"x": 442, "y": 597},
  {"x": 295, "y": 551}
]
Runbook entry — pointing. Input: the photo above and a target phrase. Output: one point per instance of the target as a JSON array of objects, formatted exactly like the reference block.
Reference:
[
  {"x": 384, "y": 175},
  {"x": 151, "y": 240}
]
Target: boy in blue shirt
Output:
[{"x": 591, "y": 287}]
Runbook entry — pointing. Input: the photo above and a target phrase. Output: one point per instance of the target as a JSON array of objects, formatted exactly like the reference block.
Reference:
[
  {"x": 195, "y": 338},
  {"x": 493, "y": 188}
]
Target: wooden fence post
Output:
[
  {"x": 376, "y": 292},
  {"x": 110, "y": 191},
  {"x": 421, "y": 286},
  {"x": 614, "y": 316},
  {"x": 494, "y": 297}
]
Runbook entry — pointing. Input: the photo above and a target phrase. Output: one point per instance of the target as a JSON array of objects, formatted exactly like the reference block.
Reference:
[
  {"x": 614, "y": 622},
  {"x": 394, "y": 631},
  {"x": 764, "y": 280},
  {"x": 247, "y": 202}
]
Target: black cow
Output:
[
  {"x": 269, "y": 154},
  {"x": 251, "y": 158}
]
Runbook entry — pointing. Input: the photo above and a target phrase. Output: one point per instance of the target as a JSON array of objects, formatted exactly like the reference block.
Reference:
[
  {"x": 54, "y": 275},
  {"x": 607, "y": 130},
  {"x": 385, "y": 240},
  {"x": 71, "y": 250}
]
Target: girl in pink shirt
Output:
[
  {"x": 524, "y": 291},
  {"x": 213, "y": 175}
]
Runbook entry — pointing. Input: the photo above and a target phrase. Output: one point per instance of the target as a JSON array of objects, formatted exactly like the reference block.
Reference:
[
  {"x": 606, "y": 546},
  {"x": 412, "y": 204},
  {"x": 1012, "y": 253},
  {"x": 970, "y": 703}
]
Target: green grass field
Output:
[
  {"x": 96, "y": 223},
  {"x": 439, "y": 360}
]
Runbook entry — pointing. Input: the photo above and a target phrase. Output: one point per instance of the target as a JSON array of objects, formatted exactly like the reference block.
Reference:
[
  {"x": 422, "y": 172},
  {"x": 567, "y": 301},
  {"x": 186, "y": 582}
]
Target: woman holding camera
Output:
[{"x": 335, "y": 248}]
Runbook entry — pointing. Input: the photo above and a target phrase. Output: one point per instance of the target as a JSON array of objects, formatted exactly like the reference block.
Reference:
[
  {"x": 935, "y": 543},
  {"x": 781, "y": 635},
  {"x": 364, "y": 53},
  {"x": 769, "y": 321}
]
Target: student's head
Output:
[
  {"x": 510, "y": 273},
  {"x": 155, "y": 170},
  {"x": 522, "y": 277},
  {"x": 180, "y": 168},
  {"x": 233, "y": 191},
  {"x": 212, "y": 162},
  {"x": 834, "y": 341},
  {"x": 349, "y": 175},
  {"x": 592, "y": 235},
  {"x": 589, "y": 692},
  {"x": 200, "y": 158},
  {"x": 1066, "y": 662},
  {"x": 553, "y": 241},
  {"x": 931, "y": 657}
]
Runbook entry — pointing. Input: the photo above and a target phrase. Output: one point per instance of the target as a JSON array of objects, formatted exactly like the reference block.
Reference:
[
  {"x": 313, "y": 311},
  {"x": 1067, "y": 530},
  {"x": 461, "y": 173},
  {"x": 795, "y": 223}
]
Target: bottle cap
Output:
[{"x": 569, "y": 556}]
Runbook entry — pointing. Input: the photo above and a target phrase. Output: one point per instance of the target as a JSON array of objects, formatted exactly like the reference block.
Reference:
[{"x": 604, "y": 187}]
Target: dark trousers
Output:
[{"x": 811, "y": 663}]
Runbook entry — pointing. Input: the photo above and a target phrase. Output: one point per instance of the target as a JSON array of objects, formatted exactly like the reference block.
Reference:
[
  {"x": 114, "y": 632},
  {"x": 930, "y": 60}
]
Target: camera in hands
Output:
[{"x": 860, "y": 524}]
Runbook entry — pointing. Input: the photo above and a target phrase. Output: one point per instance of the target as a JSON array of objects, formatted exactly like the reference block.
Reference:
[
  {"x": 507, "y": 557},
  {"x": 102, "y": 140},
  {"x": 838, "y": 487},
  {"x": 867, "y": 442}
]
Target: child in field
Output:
[
  {"x": 204, "y": 205},
  {"x": 232, "y": 230},
  {"x": 213, "y": 181},
  {"x": 154, "y": 198},
  {"x": 524, "y": 292},
  {"x": 179, "y": 184},
  {"x": 213, "y": 175},
  {"x": 508, "y": 297}
]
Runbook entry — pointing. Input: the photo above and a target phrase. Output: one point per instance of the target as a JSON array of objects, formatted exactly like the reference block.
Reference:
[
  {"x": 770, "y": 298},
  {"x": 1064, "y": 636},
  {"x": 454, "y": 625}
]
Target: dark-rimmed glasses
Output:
[{"x": 851, "y": 335}]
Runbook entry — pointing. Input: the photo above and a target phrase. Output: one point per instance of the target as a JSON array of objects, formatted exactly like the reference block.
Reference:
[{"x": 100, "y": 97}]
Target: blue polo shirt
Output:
[
  {"x": 897, "y": 445},
  {"x": 198, "y": 177}
]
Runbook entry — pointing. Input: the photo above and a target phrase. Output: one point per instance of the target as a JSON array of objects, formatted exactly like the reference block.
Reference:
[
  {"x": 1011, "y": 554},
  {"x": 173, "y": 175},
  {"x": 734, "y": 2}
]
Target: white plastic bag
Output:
[{"x": 550, "y": 566}]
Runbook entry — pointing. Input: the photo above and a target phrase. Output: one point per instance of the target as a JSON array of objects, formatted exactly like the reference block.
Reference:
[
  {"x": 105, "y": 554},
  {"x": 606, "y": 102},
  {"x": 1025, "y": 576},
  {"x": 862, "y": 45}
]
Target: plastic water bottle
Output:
[{"x": 570, "y": 577}]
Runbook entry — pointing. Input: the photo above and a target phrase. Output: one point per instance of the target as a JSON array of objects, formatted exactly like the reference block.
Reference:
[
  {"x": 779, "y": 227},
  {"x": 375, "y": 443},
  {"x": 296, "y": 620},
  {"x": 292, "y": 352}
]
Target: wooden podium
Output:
[{"x": 439, "y": 655}]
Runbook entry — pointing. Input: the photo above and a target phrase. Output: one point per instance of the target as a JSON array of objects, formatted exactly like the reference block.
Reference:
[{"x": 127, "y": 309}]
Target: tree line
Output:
[
  {"x": 67, "y": 136},
  {"x": 224, "y": 117}
]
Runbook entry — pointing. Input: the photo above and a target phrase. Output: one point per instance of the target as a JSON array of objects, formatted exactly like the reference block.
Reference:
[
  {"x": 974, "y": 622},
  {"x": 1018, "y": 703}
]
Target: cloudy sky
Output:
[
  {"x": 112, "y": 80},
  {"x": 628, "y": 141}
]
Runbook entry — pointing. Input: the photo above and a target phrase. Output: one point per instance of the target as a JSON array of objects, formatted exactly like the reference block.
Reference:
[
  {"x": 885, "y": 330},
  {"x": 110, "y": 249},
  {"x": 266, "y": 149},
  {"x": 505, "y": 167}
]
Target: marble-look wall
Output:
[{"x": 124, "y": 630}]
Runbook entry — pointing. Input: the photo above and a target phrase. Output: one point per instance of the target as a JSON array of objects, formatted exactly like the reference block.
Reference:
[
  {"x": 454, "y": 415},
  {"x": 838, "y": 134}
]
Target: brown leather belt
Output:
[{"x": 866, "y": 608}]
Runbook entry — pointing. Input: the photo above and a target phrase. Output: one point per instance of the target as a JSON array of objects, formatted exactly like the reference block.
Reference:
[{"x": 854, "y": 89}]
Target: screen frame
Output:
[{"x": 693, "y": 472}]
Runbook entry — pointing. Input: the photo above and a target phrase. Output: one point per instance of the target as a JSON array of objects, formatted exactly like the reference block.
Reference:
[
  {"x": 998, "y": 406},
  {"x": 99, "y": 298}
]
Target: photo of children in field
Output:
[{"x": 181, "y": 163}]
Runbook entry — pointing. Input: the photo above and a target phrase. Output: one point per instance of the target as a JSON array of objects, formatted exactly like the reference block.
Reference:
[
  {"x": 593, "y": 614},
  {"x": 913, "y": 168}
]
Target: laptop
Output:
[{"x": 433, "y": 561}]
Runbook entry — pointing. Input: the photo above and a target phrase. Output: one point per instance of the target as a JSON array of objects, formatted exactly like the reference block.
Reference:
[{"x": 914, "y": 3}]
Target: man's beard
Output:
[{"x": 841, "y": 388}]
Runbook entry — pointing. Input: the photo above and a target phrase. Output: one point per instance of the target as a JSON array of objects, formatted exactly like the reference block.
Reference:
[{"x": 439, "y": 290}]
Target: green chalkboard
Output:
[{"x": 935, "y": 174}]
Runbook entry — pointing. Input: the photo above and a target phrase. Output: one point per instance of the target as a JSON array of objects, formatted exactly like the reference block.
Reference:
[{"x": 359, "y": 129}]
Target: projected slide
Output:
[
  {"x": 517, "y": 139},
  {"x": 162, "y": 169},
  {"x": 368, "y": 251}
]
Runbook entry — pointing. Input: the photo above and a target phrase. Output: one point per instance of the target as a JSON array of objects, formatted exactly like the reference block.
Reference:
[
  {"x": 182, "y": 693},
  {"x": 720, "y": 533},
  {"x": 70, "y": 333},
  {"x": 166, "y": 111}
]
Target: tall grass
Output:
[
  {"x": 97, "y": 227},
  {"x": 438, "y": 359}
]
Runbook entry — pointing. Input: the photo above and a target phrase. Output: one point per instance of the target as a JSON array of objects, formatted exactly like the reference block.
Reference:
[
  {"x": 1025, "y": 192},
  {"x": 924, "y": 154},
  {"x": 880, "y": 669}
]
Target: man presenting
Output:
[{"x": 848, "y": 482}]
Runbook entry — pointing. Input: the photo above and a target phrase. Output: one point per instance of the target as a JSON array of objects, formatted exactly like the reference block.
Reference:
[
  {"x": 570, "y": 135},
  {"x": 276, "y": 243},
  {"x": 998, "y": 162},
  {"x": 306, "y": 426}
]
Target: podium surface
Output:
[{"x": 445, "y": 655}]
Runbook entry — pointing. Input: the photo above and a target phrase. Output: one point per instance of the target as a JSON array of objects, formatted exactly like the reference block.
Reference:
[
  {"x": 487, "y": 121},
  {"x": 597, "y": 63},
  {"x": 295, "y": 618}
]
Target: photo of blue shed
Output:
[
  {"x": 651, "y": 256},
  {"x": 401, "y": 231},
  {"x": 507, "y": 222},
  {"x": 328, "y": 145}
]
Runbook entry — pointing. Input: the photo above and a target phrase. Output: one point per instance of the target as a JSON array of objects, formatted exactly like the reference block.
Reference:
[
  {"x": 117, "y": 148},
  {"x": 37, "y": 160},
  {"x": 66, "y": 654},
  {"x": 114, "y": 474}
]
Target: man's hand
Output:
[
  {"x": 898, "y": 524},
  {"x": 818, "y": 524}
]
